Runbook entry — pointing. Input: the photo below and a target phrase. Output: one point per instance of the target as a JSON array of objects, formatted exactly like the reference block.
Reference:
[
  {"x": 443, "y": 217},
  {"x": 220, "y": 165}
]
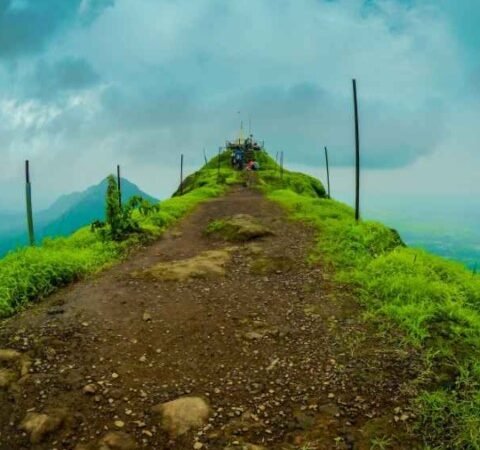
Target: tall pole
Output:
[
  {"x": 328, "y": 172},
  {"x": 181, "y": 174},
  {"x": 276, "y": 162},
  {"x": 357, "y": 153},
  {"x": 218, "y": 164},
  {"x": 281, "y": 165},
  {"x": 119, "y": 186},
  {"x": 28, "y": 191},
  {"x": 205, "y": 156}
]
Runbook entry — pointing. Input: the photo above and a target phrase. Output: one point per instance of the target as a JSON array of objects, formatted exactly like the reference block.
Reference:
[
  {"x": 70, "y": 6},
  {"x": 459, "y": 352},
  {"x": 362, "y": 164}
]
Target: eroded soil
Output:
[{"x": 280, "y": 352}]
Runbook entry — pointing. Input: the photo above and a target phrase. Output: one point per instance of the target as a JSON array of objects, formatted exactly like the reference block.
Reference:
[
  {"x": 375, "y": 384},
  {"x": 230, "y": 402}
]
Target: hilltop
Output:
[{"x": 251, "y": 312}]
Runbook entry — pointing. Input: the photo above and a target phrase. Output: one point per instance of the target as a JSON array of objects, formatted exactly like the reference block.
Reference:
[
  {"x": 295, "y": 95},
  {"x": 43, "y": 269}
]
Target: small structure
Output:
[{"x": 243, "y": 150}]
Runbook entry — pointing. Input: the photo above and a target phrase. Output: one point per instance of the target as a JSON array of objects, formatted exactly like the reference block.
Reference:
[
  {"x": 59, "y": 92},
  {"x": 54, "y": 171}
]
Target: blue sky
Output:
[{"x": 87, "y": 84}]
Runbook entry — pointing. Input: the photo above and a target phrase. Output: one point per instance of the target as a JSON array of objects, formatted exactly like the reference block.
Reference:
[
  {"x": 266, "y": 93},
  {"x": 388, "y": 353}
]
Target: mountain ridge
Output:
[{"x": 66, "y": 214}]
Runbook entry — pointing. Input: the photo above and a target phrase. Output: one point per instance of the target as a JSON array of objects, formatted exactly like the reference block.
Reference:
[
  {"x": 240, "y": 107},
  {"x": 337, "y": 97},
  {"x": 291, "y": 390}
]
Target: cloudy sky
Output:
[{"x": 87, "y": 84}]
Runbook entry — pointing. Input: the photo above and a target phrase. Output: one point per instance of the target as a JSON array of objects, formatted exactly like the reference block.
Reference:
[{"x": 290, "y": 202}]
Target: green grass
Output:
[
  {"x": 35, "y": 272},
  {"x": 435, "y": 302},
  {"x": 380, "y": 443},
  {"x": 32, "y": 273},
  {"x": 216, "y": 226}
]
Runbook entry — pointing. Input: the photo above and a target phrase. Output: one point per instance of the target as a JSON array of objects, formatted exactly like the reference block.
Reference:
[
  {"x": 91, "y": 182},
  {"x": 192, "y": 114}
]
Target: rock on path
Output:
[{"x": 179, "y": 416}]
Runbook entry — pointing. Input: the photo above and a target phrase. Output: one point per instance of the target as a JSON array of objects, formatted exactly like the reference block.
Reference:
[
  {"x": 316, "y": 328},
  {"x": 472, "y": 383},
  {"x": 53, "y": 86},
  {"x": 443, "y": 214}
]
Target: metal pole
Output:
[
  {"x": 218, "y": 164},
  {"x": 119, "y": 186},
  {"x": 28, "y": 191},
  {"x": 357, "y": 153},
  {"x": 328, "y": 172},
  {"x": 181, "y": 174}
]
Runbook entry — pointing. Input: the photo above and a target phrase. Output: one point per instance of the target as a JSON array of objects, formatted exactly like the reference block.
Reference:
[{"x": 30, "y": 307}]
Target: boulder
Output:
[
  {"x": 179, "y": 416},
  {"x": 240, "y": 228},
  {"x": 39, "y": 425},
  {"x": 208, "y": 264}
]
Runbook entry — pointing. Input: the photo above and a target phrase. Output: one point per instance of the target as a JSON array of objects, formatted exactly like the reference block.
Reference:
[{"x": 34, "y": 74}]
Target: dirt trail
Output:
[{"x": 279, "y": 351}]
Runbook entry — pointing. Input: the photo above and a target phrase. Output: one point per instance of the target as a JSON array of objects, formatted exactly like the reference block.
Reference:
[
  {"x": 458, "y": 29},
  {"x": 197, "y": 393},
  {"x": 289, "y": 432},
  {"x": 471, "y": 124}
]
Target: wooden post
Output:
[
  {"x": 181, "y": 174},
  {"x": 205, "y": 156},
  {"x": 119, "y": 186},
  {"x": 281, "y": 166},
  {"x": 357, "y": 153},
  {"x": 218, "y": 164},
  {"x": 28, "y": 192},
  {"x": 328, "y": 172}
]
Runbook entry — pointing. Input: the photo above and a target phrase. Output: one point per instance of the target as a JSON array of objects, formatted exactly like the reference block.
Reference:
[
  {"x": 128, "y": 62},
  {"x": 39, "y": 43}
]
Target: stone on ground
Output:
[
  {"x": 39, "y": 425},
  {"x": 117, "y": 440},
  {"x": 205, "y": 265},
  {"x": 241, "y": 227},
  {"x": 179, "y": 416},
  {"x": 11, "y": 357}
]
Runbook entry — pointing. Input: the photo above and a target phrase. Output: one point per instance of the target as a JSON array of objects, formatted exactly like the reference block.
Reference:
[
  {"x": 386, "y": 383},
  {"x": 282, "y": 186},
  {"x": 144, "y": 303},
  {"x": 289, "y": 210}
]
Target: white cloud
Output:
[{"x": 173, "y": 74}]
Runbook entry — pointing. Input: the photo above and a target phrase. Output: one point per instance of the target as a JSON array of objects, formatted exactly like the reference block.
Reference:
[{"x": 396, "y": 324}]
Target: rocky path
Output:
[{"x": 195, "y": 342}]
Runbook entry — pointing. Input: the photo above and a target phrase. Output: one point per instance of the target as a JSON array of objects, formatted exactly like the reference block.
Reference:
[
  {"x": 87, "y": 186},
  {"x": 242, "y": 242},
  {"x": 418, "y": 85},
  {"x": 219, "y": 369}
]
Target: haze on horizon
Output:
[{"x": 87, "y": 84}]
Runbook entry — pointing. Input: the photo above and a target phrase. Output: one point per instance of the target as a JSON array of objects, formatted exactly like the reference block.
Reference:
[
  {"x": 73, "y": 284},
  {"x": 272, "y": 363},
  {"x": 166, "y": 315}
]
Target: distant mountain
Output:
[
  {"x": 79, "y": 209},
  {"x": 66, "y": 215}
]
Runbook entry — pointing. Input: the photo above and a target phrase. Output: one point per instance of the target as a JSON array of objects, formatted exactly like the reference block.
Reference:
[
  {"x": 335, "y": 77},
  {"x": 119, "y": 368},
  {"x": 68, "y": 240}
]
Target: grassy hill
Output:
[{"x": 434, "y": 302}]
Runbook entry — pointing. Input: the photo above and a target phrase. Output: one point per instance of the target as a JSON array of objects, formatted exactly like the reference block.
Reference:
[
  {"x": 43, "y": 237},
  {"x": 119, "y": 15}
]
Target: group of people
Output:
[{"x": 238, "y": 162}]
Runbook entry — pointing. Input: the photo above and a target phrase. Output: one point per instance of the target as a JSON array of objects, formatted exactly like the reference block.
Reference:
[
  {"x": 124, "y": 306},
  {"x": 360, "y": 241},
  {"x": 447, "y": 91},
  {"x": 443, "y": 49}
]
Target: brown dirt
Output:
[{"x": 279, "y": 350}]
